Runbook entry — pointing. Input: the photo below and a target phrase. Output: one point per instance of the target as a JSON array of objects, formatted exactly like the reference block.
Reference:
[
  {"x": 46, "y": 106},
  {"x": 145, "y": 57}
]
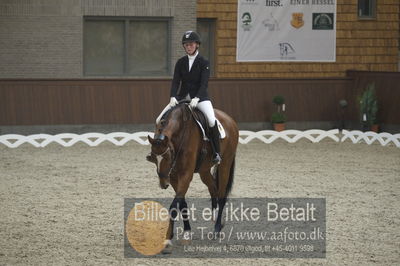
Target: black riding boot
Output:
[{"x": 214, "y": 140}]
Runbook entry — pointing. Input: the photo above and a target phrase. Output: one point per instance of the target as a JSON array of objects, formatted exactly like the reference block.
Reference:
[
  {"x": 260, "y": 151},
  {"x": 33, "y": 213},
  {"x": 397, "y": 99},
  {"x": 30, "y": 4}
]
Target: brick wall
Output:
[
  {"x": 43, "y": 39},
  {"x": 40, "y": 40},
  {"x": 361, "y": 44},
  {"x": 184, "y": 19}
]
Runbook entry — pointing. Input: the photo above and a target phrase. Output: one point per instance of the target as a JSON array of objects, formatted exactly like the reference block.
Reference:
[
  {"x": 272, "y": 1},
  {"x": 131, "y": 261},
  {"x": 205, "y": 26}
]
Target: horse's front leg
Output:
[
  {"x": 170, "y": 231},
  {"x": 179, "y": 204}
]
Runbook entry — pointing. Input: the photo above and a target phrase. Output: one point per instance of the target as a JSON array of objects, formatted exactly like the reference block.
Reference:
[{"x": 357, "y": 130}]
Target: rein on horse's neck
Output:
[{"x": 175, "y": 124}]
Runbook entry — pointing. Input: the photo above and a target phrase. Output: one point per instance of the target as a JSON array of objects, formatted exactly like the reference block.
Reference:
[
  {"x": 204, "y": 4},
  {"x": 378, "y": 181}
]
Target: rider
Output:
[{"x": 190, "y": 81}]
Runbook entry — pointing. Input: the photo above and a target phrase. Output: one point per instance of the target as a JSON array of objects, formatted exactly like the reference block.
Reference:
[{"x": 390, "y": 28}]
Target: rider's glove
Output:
[
  {"x": 194, "y": 102},
  {"x": 173, "y": 101}
]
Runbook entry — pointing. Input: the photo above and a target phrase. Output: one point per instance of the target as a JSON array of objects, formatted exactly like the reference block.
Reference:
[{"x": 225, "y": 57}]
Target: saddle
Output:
[{"x": 201, "y": 121}]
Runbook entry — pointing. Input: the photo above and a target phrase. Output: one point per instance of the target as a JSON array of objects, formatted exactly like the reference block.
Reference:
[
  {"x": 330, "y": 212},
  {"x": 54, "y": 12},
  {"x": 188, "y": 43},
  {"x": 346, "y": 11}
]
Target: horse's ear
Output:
[{"x": 151, "y": 140}]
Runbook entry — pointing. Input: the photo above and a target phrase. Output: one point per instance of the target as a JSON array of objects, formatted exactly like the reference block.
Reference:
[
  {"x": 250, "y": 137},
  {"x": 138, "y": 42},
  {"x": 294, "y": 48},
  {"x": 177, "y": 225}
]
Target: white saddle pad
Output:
[{"x": 221, "y": 129}]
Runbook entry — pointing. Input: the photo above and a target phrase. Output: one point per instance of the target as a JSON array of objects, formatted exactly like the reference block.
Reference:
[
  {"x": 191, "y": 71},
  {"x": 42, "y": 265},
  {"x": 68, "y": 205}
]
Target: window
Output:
[
  {"x": 366, "y": 8},
  {"x": 126, "y": 47},
  {"x": 206, "y": 29}
]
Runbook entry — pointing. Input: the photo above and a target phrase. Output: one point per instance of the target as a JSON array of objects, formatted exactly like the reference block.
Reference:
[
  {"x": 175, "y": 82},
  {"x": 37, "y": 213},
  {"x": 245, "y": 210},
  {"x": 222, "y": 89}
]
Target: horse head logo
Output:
[{"x": 286, "y": 48}]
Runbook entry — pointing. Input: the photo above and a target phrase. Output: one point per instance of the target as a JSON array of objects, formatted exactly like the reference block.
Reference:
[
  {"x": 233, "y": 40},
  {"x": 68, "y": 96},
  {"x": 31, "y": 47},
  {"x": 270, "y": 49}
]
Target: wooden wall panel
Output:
[
  {"x": 306, "y": 100},
  {"x": 138, "y": 101},
  {"x": 38, "y": 102}
]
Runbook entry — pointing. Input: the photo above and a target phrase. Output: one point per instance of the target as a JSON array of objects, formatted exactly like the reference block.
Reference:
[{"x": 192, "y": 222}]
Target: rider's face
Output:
[{"x": 190, "y": 47}]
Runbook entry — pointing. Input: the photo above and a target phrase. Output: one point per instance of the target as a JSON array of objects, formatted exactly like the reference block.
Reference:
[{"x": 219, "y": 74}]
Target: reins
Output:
[{"x": 176, "y": 155}]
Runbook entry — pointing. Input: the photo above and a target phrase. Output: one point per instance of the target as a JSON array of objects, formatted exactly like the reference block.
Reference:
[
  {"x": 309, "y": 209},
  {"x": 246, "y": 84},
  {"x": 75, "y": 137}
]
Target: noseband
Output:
[{"x": 162, "y": 154}]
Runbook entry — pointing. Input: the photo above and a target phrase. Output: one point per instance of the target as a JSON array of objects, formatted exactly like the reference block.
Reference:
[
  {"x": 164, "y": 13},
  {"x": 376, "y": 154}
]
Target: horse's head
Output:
[
  {"x": 162, "y": 156},
  {"x": 168, "y": 132}
]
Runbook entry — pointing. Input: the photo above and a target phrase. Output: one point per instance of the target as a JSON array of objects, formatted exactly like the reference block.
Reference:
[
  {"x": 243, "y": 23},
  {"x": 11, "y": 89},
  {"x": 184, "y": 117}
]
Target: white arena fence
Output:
[{"x": 266, "y": 136}]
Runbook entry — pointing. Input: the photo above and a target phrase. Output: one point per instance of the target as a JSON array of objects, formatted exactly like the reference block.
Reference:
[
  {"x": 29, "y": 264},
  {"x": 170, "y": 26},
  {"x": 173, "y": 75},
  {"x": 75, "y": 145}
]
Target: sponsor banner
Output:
[
  {"x": 286, "y": 30},
  {"x": 253, "y": 228}
]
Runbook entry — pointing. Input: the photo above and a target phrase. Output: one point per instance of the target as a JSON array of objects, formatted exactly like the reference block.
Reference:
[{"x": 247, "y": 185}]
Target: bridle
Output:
[{"x": 162, "y": 154}]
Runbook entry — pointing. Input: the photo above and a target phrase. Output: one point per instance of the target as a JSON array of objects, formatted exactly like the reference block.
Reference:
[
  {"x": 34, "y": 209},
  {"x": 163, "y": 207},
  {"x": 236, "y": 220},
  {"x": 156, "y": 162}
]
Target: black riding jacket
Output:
[{"x": 193, "y": 82}]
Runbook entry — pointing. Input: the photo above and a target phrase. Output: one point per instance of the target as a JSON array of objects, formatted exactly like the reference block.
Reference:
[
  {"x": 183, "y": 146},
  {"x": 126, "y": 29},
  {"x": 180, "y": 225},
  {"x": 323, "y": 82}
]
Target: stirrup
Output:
[{"x": 216, "y": 158}]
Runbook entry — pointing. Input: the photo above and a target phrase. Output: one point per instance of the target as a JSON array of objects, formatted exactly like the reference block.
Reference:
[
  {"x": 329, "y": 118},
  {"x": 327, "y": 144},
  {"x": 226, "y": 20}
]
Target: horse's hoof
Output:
[{"x": 168, "y": 247}]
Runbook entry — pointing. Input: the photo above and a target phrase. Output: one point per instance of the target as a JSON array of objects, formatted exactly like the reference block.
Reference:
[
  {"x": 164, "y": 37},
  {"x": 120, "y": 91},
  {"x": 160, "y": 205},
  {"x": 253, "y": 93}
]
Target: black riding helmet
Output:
[{"x": 191, "y": 36}]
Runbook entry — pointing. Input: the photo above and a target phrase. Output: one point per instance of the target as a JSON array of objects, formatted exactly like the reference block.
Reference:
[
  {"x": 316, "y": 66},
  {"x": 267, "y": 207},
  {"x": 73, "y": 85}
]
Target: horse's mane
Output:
[{"x": 168, "y": 115}]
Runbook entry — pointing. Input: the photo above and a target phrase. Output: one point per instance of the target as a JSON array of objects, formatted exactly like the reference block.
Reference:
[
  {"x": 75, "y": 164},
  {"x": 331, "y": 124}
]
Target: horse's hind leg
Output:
[
  {"x": 223, "y": 175},
  {"x": 222, "y": 198},
  {"x": 209, "y": 181}
]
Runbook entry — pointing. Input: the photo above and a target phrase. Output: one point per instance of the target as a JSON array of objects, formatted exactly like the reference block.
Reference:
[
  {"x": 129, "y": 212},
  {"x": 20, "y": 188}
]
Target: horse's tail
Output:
[{"x": 231, "y": 175}]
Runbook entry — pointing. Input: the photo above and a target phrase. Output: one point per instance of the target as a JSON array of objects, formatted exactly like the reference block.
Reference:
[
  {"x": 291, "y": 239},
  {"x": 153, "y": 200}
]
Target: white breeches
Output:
[{"x": 205, "y": 107}]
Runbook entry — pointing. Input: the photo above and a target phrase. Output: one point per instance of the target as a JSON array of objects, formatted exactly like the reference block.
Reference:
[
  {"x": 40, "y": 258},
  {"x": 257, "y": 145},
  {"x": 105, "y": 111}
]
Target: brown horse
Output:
[{"x": 177, "y": 145}]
